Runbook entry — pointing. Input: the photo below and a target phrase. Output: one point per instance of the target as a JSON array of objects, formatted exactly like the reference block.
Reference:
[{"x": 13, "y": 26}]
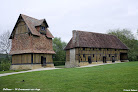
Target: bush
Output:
[
  {"x": 58, "y": 63},
  {"x": 4, "y": 64}
]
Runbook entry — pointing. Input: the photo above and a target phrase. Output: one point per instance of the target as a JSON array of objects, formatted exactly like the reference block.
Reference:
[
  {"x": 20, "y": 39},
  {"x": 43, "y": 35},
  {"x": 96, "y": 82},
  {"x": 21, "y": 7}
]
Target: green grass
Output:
[{"x": 104, "y": 78}]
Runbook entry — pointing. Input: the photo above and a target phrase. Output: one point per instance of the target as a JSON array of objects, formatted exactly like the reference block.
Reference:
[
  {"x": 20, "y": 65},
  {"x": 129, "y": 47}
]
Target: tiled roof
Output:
[
  {"x": 31, "y": 51},
  {"x": 32, "y": 23},
  {"x": 95, "y": 40}
]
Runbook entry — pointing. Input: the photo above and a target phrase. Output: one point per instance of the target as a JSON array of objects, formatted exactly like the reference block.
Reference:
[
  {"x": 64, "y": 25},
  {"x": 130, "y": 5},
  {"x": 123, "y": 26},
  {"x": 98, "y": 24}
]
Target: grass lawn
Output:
[{"x": 104, "y": 78}]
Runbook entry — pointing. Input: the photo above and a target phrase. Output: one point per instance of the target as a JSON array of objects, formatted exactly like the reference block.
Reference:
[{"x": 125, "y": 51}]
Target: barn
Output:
[
  {"x": 31, "y": 44},
  {"x": 86, "y": 48}
]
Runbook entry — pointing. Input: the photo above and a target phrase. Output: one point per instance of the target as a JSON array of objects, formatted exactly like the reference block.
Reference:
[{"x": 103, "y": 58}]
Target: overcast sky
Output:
[{"x": 63, "y": 16}]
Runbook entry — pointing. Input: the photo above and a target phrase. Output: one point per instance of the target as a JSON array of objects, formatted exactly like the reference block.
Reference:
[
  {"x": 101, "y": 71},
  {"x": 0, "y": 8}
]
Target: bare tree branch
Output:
[{"x": 5, "y": 42}]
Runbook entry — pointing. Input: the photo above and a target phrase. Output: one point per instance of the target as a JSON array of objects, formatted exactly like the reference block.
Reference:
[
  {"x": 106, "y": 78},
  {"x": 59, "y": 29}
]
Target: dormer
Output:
[{"x": 42, "y": 28}]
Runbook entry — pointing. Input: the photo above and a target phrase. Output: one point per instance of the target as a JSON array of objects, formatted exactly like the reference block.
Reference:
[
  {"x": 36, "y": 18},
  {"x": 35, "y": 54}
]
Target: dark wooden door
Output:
[
  {"x": 89, "y": 59},
  {"x": 104, "y": 59},
  {"x": 43, "y": 61},
  {"x": 113, "y": 59}
]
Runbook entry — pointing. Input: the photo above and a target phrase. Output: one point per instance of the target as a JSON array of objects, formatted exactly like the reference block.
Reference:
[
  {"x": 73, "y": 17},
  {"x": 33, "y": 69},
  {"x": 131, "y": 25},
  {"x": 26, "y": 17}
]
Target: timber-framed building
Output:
[
  {"x": 86, "y": 48},
  {"x": 31, "y": 44}
]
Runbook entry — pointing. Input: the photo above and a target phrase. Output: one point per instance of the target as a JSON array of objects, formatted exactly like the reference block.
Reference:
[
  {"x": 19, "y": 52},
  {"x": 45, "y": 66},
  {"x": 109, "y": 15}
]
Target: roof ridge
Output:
[
  {"x": 96, "y": 40},
  {"x": 29, "y": 16},
  {"x": 93, "y": 32}
]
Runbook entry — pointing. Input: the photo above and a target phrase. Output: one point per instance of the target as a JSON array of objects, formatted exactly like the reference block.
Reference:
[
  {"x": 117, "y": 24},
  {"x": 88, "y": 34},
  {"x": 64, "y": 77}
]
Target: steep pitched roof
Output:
[
  {"x": 32, "y": 23},
  {"x": 94, "y": 40}
]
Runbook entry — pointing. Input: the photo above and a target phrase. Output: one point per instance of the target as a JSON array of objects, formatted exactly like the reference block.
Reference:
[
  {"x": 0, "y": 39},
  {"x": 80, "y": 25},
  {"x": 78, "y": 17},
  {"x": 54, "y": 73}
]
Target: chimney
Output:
[{"x": 74, "y": 36}]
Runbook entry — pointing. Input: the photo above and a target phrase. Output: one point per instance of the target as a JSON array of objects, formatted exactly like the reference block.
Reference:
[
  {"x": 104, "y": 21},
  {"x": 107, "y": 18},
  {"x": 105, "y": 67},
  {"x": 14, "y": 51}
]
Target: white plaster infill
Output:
[{"x": 40, "y": 69}]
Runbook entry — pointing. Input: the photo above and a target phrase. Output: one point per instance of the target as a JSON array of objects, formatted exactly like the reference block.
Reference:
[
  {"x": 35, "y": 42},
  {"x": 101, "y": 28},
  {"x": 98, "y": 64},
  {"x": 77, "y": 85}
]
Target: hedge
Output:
[
  {"x": 58, "y": 63},
  {"x": 5, "y": 64}
]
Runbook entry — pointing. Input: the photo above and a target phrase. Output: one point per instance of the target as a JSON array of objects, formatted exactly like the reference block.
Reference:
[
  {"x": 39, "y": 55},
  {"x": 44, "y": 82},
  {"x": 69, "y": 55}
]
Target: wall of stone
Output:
[
  {"x": 72, "y": 62},
  {"x": 25, "y": 67}
]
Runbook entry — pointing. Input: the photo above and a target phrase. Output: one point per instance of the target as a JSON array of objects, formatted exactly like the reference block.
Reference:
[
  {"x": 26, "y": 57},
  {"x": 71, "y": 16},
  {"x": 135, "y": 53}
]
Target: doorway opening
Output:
[
  {"x": 123, "y": 56},
  {"x": 43, "y": 61},
  {"x": 104, "y": 59},
  {"x": 113, "y": 59},
  {"x": 89, "y": 59}
]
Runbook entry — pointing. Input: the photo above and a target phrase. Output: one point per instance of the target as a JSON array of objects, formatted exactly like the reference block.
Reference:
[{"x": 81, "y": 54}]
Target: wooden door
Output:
[
  {"x": 43, "y": 61},
  {"x": 89, "y": 59},
  {"x": 104, "y": 59},
  {"x": 113, "y": 59}
]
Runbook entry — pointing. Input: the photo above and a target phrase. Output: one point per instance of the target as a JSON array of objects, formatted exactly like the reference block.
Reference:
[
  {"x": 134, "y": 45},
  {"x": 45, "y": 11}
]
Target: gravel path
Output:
[{"x": 41, "y": 69}]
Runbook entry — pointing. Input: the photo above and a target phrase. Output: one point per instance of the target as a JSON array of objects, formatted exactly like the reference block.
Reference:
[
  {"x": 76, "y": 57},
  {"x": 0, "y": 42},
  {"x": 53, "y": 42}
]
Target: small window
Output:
[
  {"x": 115, "y": 49},
  {"x": 83, "y": 48},
  {"x": 42, "y": 28},
  {"x": 93, "y": 48},
  {"x": 93, "y": 55},
  {"x": 109, "y": 55},
  {"x": 99, "y": 48}
]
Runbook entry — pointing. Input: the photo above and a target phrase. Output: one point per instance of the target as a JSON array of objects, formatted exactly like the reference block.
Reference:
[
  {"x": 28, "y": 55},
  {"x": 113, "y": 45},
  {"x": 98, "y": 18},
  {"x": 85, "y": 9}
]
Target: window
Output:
[
  {"x": 83, "y": 48},
  {"x": 42, "y": 28},
  {"x": 109, "y": 55},
  {"x": 93, "y": 55}
]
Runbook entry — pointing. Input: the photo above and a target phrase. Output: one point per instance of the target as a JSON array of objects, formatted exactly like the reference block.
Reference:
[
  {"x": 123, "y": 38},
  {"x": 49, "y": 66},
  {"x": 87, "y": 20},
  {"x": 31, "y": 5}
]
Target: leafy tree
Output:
[
  {"x": 127, "y": 37},
  {"x": 58, "y": 47}
]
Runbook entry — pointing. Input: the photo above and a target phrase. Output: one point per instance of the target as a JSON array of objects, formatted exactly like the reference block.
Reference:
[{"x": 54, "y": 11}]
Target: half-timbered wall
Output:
[
  {"x": 67, "y": 55},
  {"x": 21, "y": 58},
  {"x": 97, "y": 54},
  {"x": 27, "y": 58},
  {"x": 37, "y": 58},
  {"x": 21, "y": 28}
]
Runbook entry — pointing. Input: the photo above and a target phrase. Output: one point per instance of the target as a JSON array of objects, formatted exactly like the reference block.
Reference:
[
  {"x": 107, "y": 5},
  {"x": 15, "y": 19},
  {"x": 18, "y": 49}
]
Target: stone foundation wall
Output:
[
  {"x": 29, "y": 66},
  {"x": 70, "y": 64},
  {"x": 50, "y": 65},
  {"x": 117, "y": 61},
  {"x": 124, "y": 60},
  {"x": 25, "y": 67},
  {"x": 83, "y": 63}
]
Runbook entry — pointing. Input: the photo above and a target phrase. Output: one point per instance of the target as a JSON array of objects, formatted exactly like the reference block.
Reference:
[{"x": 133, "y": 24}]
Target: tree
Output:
[
  {"x": 5, "y": 42},
  {"x": 127, "y": 37},
  {"x": 58, "y": 47}
]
